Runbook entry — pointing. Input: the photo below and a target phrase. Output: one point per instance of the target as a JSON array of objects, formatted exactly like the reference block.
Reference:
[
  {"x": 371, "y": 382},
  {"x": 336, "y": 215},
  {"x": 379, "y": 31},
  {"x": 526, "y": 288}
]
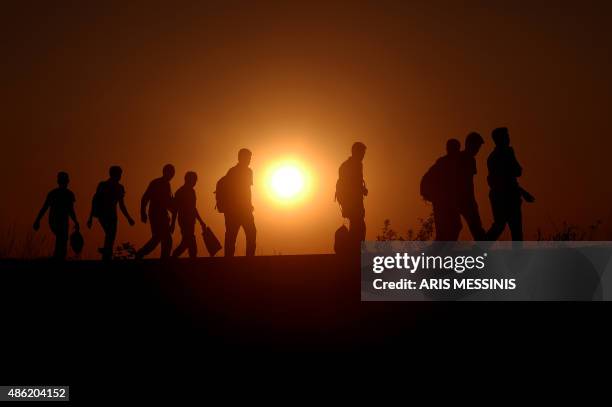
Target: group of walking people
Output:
[
  {"x": 448, "y": 185},
  {"x": 160, "y": 208}
]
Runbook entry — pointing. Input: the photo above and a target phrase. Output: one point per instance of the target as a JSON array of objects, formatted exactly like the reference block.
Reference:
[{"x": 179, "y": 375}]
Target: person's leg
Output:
[
  {"x": 188, "y": 241},
  {"x": 471, "y": 215},
  {"x": 152, "y": 243},
  {"x": 251, "y": 234},
  {"x": 182, "y": 246},
  {"x": 61, "y": 241},
  {"x": 165, "y": 236},
  {"x": 360, "y": 228},
  {"x": 438, "y": 223},
  {"x": 148, "y": 247},
  {"x": 499, "y": 217},
  {"x": 192, "y": 246},
  {"x": 447, "y": 222},
  {"x": 455, "y": 224},
  {"x": 356, "y": 232},
  {"x": 357, "y": 226},
  {"x": 231, "y": 231},
  {"x": 56, "y": 248},
  {"x": 166, "y": 243},
  {"x": 515, "y": 222},
  {"x": 110, "y": 233},
  {"x": 188, "y": 233}
]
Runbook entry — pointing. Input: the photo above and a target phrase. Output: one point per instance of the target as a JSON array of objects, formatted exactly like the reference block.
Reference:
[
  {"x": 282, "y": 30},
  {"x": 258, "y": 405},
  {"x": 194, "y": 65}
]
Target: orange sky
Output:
[{"x": 86, "y": 87}]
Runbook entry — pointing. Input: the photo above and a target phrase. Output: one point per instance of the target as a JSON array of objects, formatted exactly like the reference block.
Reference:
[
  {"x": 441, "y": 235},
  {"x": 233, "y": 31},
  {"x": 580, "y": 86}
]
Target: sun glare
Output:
[{"x": 287, "y": 182}]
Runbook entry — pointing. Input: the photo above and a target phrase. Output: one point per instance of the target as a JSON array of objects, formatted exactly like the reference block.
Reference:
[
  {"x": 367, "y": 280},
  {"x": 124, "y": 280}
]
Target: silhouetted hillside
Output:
[
  {"x": 92, "y": 314},
  {"x": 84, "y": 321}
]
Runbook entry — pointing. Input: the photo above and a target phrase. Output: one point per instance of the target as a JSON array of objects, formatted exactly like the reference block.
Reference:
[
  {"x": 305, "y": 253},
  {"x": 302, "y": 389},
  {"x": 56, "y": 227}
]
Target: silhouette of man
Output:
[
  {"x": 158, "y": 197},
  {"x": 108, "y": 194},
  {"x": 239, "y": 211},
  {"x": 466, "y": 201},
  {"x": 505, "y": 194},
  {"x": 350, "y": 191},
  {"x": 60, "y": 203},
  {"x": 447, "y": 218},
  {"x": 187, "y": 213}
]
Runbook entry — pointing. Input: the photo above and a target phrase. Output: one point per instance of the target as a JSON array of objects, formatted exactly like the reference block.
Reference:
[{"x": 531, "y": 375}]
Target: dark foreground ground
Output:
[{"x": 90, "y": 324}]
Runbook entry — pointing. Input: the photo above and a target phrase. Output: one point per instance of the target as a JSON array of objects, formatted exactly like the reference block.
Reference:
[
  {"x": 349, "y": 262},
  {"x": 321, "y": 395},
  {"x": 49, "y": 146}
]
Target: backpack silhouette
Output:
[
  {"x": 430, "y": 183},
  {"x": 342, "y": 240},
  {"x": 222, "y": 194},
  {"x": 341, "y": 191}
]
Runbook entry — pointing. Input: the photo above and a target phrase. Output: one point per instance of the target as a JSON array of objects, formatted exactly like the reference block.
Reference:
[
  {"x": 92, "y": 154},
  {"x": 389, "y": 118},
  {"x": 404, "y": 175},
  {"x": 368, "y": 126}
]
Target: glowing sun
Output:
[{"x": 287, "y": 182}]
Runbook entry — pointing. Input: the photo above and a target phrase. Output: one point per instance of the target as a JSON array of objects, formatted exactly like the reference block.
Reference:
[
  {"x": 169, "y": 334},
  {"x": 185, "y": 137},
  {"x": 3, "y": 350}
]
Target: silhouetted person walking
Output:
[
  {"x": 233, "y": 196},
  {"x": 60, "y": 203},
  {"x": 108, "y": 194},
  {"x": 350, "y": 191},
  {"x": 505, "y": 194},
  {"x": 439, "y": 186},
  {"x": 158, "y": 197},
  {"x": 186, "y": 211},
  {"x": 466, "y": 201}
]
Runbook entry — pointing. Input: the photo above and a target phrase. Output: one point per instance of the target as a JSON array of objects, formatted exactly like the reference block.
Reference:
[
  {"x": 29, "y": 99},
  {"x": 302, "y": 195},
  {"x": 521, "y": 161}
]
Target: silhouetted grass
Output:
[
  {"x": 31, "y": 246},
  {"x": 424, "y": 233},
  {"x": 7, "y": 242},
  {"x": 569, "y": 232},
  {"x": 125, "y": 251}
]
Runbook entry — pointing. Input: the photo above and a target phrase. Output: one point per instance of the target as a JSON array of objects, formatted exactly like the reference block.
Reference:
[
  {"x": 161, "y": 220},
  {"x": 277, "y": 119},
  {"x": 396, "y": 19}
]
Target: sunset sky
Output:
[{"x": 85, "y": 87}]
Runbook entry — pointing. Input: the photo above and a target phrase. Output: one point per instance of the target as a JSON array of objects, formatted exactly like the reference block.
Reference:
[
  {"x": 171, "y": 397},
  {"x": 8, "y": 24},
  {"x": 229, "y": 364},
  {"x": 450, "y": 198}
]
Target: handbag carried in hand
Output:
[{"x": 210, "y": 241}]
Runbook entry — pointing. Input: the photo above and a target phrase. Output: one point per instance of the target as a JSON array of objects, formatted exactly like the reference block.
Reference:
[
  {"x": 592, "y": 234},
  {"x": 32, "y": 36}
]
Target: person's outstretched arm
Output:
[
  {"x": 125, "y": 212},
  {"x": 41, "y": 213}
]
